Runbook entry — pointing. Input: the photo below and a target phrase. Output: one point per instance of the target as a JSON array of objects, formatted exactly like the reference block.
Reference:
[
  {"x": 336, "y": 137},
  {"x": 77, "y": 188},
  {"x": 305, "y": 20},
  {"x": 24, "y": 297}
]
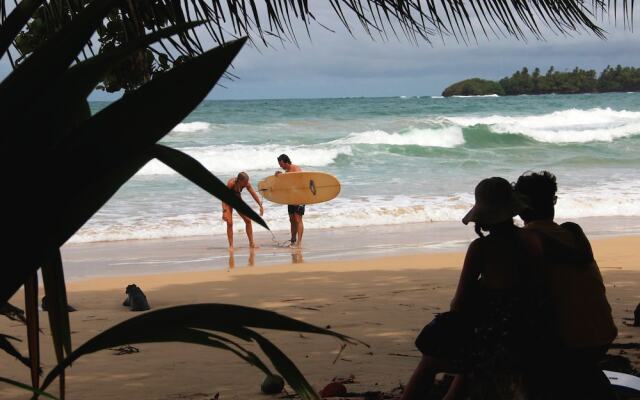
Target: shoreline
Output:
[
  {"x": 201, "y": 253},
  {"x": 615, "y": 253},
  {"x": 383, "y": 301}
]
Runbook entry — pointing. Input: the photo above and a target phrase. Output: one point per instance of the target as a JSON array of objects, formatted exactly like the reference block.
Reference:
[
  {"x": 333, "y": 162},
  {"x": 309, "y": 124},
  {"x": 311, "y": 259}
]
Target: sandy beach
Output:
[
  {"x": 381, "y": 124},
  {"x": 383, "y": 301}
]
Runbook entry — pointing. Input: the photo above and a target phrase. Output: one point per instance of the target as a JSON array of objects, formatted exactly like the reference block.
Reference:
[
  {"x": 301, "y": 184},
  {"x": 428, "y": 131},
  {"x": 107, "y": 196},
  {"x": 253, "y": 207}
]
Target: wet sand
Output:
[
  {"x": 383, "y": 301},
  {"x": 204, "y": 253}
]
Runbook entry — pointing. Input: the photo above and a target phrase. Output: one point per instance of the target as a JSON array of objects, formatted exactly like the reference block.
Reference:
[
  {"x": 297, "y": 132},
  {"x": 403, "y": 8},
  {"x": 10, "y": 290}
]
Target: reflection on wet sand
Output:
[
  {"x": 251, "y": 259},
  {"x": 232, "y": 260},
  {"x": 296, "y": 256}
]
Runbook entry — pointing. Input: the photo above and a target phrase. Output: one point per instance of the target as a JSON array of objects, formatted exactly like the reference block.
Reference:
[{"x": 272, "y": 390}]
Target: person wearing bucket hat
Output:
[
  {"x": 496, "y": 202},
  {"x": 495, "y": 312}
]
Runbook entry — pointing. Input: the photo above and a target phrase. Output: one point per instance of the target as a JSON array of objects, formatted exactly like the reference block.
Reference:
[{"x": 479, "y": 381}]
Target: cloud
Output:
[
  {"x": 335, "y": 65},
  {"x": 339, "y": 65}
]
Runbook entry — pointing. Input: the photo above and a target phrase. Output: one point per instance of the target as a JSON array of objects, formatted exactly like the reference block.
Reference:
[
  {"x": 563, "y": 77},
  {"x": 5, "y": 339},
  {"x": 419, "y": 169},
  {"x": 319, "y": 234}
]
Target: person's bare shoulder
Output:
[
  {"x": 531, "y": 240},
  {"x": 295, "y": 168}
]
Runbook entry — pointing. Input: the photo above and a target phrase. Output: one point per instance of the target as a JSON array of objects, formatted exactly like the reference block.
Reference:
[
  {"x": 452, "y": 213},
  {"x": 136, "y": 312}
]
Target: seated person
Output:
[
  {"x": 582, "y": 313},
  {"x": 493, "y": 319}
]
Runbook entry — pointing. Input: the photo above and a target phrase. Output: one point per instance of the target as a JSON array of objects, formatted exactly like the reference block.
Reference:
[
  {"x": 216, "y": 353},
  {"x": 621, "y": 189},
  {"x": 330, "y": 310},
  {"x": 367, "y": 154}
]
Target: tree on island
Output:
[
  {"x": 474, "y": 87},
  {"x": 151, "y": 48},
  {"x": 618, "y": 79}
]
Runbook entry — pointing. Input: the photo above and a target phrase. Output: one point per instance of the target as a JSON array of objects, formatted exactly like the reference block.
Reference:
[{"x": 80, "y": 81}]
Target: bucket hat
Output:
[{"x": 496, "y": 201}]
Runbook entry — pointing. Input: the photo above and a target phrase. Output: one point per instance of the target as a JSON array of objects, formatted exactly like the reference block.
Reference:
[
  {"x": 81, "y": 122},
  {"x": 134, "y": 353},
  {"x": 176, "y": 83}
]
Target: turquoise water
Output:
[{"x": 400, "y": 159}]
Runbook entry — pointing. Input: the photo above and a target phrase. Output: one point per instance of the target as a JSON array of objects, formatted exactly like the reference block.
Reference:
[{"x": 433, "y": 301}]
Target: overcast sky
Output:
[{"x": 338, "y": 65}]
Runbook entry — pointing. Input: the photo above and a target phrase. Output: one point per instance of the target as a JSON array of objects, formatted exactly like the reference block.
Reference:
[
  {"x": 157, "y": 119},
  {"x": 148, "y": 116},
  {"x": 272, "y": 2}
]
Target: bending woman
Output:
[{"x": 494, "y": 306}]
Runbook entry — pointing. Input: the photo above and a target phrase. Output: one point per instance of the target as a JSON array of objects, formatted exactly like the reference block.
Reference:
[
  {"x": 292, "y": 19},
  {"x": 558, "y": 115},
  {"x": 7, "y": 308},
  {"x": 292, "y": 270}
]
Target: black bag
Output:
[{"x": 449, "y": 335}]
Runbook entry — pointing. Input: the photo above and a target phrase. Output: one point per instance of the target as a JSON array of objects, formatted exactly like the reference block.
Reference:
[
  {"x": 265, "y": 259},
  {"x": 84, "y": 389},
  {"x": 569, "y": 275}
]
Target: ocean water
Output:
[{"x": 400, "y": 160}]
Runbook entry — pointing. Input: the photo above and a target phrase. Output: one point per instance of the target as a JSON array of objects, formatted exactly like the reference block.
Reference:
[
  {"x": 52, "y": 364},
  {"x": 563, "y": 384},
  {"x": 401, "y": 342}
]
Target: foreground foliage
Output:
[
  {"x": 56, "y": 150},
  {"x": 61, "y": 164},
  {"x": 272, "y": 23}
]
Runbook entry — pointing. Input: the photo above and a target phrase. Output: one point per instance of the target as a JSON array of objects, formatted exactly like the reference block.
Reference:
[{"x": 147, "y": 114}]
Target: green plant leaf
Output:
[
  {"x": 30, "y": 78},
  {"x": 13, "y": 313},
  {"x": 17, "y": 91},
  {"x": 123, "y": 131},
  {"x": 64, "y": 107},
  {"x": 182, "y": 323},
  {"x": 56, "y": 292},
  {"x": 82, "y": 78},
  {"x": 87, "y": 199},
  {"x": 191, "y": 169},
  {"x": 80, "y": 204},
  {"x": 243, "y": 353},
  {"x": 287, "y": 368},
  {"x": 9, "y": 349},
  {"x": 214, "y": 316},
  {"x": 15, "y": 21},
  {"x": 117, "y": 133},
  {"x": 33, "y": 326},
  {"x": 27, "y": 387},
  {"x": 153, "y": 335}
]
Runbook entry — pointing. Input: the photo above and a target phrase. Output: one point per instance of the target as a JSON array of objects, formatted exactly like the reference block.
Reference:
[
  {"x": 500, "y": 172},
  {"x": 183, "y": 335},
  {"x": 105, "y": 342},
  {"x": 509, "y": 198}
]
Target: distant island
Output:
[{"x": 618, "y": 79}]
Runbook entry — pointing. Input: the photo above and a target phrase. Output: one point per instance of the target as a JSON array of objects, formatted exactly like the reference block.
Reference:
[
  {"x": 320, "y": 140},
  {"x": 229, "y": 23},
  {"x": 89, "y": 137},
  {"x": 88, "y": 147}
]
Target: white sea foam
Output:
[
  {"x": 612, "y": 198},
  {"x": 605, "y": 200},
  {"x": 567, "y": 126},
  {"x": 342, "y": 212},
  {"x": 235, "y": 157},
  {"x": 188, "y": 127},
  {"x": 443, "y": 137}
]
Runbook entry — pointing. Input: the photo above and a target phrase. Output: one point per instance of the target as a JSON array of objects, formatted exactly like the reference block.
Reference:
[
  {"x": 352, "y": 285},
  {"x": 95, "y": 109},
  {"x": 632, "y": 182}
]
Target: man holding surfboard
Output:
[
  {"x": 296, "y": 211},
  {"x": 296, "y": 189},
  {"x": 237, "y": 184}
]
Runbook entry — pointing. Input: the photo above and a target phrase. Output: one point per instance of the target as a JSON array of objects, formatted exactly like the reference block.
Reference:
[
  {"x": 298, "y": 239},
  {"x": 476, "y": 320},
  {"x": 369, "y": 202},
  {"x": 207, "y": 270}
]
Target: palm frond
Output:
[
  {"x": 191, "y": 169},
  {"x": 8, "y": 348},
  {"x": 61, "y": 50},
  {"x": 12, "y": 24},
  {"x": 418, "y": 20},
  {"x": 56, "y": 293},
  {"x": 13, "y": 313},
  {"x": 26, "y": 387},
  {"x": 100, "y": 155},
  {"x": 33, "y": 326},
  {"x": 195, "y": 323}
]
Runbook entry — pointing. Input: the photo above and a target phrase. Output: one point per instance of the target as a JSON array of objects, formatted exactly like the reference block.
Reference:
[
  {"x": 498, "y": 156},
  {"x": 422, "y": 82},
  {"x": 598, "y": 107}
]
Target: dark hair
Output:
[
  {"x": 284, "y": 158},
  {"x": 242, "y": 176},
  {"x": 540, "y": 189}
]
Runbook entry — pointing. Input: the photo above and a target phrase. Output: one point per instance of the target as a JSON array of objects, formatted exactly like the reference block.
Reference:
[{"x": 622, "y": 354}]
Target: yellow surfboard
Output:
[{"x": 299, "y": 187}]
